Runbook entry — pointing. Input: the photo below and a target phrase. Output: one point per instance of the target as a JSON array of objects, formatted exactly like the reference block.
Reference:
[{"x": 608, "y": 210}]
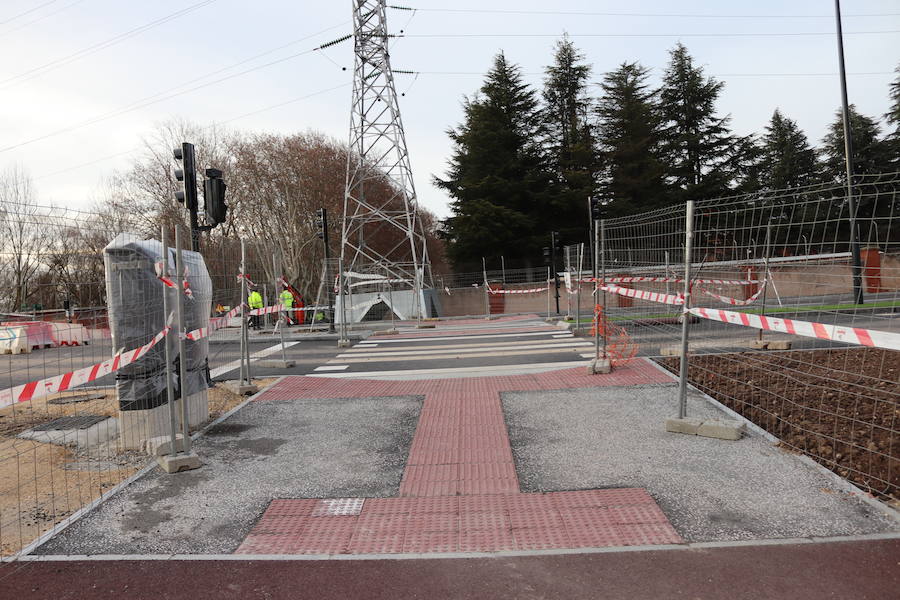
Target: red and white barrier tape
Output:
[
  {"x": 250, "y": 284},
  {"x": 643, "y": 294},
  {"x": 267, "y": 309},
  {"x": 837, "y": 333},
  {"x": 214, "y": 324},
  {"x": 674, "y": 280},
  {"x": 735, "y": 301},
  {"x": 61, "y": 383},
  {"x": 531, "y": 291}
]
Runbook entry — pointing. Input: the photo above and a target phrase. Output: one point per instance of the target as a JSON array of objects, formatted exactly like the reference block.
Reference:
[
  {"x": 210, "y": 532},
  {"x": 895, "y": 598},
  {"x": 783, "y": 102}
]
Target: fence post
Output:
[
  {"x": 282, "y": 314},
  {"x": 170, "y": 389},
  {"x": 603, "y": 276},
  {"x": 245, "y": 335},
  {"x": 487, "y": 300},
  {"x": 686, "y": 316},
  {"x": 597, "y": 292},
  {"x": 179, "y": 313},
  {"x": 343, "y": 342}
]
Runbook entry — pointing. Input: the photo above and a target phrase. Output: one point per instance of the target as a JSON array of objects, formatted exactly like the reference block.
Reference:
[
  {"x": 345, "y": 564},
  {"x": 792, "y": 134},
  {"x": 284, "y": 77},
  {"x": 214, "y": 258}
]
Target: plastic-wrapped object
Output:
[{"x": 134, "y": 296}]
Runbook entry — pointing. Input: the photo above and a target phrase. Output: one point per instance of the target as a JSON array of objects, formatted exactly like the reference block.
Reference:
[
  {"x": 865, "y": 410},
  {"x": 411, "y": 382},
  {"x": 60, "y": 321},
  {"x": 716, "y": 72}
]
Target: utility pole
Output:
[{"x": 848, "y": 160}]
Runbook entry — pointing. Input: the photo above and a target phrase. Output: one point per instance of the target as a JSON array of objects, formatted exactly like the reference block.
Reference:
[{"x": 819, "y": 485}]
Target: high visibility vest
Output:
[
  {"x": 255, "y": 300},
  {"x": 287, "y": 299}
]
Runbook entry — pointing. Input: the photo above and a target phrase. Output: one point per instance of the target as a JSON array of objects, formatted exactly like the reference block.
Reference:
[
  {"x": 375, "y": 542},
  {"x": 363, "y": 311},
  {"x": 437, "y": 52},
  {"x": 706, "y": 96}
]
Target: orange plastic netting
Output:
[{"x": 620, "y": 348}]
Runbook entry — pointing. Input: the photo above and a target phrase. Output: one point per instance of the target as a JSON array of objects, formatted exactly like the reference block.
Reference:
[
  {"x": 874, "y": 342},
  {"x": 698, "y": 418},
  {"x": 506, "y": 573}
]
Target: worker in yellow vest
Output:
[
  {"x": 287, "y": 301},
  {"x": 255, "y": 301}
]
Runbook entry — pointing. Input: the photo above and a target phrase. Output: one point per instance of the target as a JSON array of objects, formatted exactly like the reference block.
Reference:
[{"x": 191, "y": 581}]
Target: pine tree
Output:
[
  {"x": 893, "y": 115},
  {"x": 699, "y": 150},
  {"x": 628, "y": 137},
  {"x": 496, "y": 176},
  {"x": 787, "y": 158},
  {"x": 870, "y": 153},
  {"x": 568, "y": 138}
]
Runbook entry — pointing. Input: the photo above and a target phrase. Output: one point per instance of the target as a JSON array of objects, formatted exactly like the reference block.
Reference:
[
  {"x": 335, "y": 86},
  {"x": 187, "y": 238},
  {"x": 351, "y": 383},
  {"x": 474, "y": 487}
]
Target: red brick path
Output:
[{"x": 459, "y": 491}]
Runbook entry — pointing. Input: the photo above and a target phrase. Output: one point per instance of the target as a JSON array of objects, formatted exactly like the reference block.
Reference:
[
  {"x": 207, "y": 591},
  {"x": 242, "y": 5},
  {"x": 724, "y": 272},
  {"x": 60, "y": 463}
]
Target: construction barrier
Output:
[{"x": 836, "y": 333}]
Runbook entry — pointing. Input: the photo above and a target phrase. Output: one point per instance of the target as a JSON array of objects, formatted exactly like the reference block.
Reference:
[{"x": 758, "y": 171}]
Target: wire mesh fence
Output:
[
  {"x": 769, "y": 272},
  {"x": 87, "y": 334}
]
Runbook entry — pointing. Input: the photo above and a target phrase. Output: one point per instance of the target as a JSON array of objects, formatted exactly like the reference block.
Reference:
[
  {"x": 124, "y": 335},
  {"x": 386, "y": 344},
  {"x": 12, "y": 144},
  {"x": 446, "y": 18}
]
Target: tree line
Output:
[
  {"x": 526, "y": 161},
  {"x": 276, "y": 183}
]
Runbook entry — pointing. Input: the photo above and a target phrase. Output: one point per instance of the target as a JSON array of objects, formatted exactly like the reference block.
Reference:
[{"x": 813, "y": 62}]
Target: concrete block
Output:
[
  {"x": 162, "y": 445},
  {"x": 599, "y": 366},
  {"x": 14, "y": 340},
  {"x": 174, "y": 463},
  {"x": 721, "y": 429},
  {"x": 779, "y": 345},
  {"x": 565, "y": 325},
  {"x": 686, "y": 425},
  {"x": 551, "y": 319},
  {"x": 96, "y": 434},
  {"x": 425, "y": 326},
  {"x": 759, "y": 344},
  {"x": 670, "y": 351},
  {"x": 344, "y": 343},
  {"x": 241, "y": 389},
  {"x": 276, "y": 364}
]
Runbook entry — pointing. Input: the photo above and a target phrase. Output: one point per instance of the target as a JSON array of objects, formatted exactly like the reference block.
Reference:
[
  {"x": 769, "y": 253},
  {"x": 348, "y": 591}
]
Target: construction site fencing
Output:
[
  {"x": 785, "y": 317},
  {"x": 95, "y": 321}
]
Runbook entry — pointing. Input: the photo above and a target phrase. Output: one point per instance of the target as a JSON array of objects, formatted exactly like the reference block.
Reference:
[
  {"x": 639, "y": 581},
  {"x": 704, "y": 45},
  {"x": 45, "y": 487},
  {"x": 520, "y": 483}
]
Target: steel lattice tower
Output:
[{"x": 382, "y": 233}]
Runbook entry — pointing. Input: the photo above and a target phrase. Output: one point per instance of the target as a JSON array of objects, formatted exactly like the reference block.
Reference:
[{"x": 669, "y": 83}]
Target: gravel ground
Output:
[
  {"x": 710, "y": 489},
  {"x": 273, "y": 449}
]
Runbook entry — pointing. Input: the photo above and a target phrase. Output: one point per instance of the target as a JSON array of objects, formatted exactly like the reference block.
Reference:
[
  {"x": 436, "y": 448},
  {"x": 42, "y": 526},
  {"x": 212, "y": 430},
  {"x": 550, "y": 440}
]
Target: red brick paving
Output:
[{"x": 459, "y": 491}]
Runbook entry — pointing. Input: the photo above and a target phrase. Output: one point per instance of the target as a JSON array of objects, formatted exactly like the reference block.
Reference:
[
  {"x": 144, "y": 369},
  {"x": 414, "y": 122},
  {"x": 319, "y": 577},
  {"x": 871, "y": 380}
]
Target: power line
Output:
[
  {"x": 232, "y": 119},
  {"x": 30, "y": 10},
  {"x": 630, "y": 14},
  {"x": 539, "y": 73},
  {"x": 644, "y": 35},
  {"x": 42, "y": 17},
  {"x": 47, "y": 67},
  {"x": 166, "y": 95}
]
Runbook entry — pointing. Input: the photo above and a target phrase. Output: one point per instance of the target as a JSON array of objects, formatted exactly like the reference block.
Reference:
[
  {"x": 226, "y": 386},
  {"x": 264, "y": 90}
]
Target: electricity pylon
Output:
[{"x": 382, "y": 232}]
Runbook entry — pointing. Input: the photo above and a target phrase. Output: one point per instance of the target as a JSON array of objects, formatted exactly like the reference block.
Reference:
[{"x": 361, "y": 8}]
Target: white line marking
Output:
[
  {"x": 473, "y": 371},
  {"x": 450, "y": 351},
  {"x": 451, "y": 356},
  {"x": 432, "y": 338},
  {"x": 218, "y": 371},
  {"x": 331, "y": 368},
  {"x": 476, "y": 344},
  {"x": 564, "y": 335}
]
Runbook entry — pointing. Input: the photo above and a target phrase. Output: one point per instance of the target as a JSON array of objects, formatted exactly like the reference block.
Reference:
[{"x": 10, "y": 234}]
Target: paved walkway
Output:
[
  {"x": 843, "y": 570},
  {"x": 459, "y": 491}
]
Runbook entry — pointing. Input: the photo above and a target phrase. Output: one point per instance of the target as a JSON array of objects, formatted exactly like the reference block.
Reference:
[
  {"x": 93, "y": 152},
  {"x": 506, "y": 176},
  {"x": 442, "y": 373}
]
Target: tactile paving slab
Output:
[
  {"x": 481, "y": 523},
  {"x": 460, "y": 492}
]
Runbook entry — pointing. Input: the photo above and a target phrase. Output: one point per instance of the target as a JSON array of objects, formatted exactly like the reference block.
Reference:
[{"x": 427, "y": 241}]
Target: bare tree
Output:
[{"x": 23, "y": 239}]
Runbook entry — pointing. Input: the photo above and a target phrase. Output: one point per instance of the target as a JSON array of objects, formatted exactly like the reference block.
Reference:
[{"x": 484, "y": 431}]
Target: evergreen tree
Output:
[
  {"x": 569, "y": 137},
  {"x": 628, "y": 137},
  {"x": 787, "y": 159},
  {"x": 496, "y": 178},
  {"x": 893, "y": 115},
  {"x": 870, "y": 153},
  {"x": 699, "y": 151}
]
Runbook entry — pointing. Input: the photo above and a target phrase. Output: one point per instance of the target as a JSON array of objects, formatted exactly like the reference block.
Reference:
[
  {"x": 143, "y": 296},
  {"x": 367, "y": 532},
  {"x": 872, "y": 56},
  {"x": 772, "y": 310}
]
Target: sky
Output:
[{"x": 84, "y": 82}]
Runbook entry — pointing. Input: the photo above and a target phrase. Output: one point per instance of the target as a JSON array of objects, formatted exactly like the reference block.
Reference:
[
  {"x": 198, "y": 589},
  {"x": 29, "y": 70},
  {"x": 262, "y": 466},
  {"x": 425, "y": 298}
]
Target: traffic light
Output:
[
  {"x": 595, "y": 208},
  {"x": 322, "y": 225},
  {"x": 187, "y": 174},
  {"x": 546, "y": 255},
  {"x": 214, "y": 197}
]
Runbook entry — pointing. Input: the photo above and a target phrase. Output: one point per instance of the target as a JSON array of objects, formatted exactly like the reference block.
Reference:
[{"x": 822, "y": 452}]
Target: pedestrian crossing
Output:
[{"x": 449, "y": 351}]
